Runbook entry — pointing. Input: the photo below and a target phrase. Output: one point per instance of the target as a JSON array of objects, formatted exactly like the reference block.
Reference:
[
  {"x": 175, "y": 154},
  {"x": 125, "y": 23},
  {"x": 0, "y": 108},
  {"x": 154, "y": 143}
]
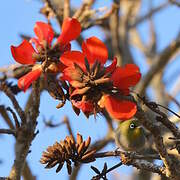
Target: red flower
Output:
[
  {"x": 93, "y": 49},
  {"x": 25, "y": 81},
  {"x": 85, "y": 106},
  {"x": 122, "y": 79},
  {"x": 26, "y": 54}
]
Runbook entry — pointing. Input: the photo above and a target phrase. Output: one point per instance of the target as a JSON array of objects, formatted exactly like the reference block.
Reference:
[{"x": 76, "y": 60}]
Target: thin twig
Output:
[
  {"x": 85, "y": 4},
  {"x": 114, "y": 25},
  {"x": 6, "y": 117},
  {"x": 8, "y": 131},
  {"x": 133, "y": 155},
  {"x": 159, "y": 63},
  {"x": 66, "y": 121},
  {"x": 163, "y": 117},
  {"x": 17, "y": 124},
  {"x": 173, "y": 99},
  {"x": 5, "y": 89},
  {"x": 58, "y": 17},
  {"x": 66, "y": 9},
  {"x": 149, "y": 14}
]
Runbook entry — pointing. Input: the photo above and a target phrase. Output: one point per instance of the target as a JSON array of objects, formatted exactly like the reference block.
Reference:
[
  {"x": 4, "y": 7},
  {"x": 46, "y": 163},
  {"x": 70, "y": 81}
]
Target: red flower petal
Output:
[
  {"x": 119, "y": 109},
  {"x": 125, "y": 77},
  {"x": 71, "y": 57},
  {"x": 66, "y": 47},
  {"x": 36, "y": 42},
  {"x": 67, "y": 73},
  {"x": 25, "y": 81},
  {"x": 112, "y": 67},
  {"x": 23, "y": 53},
  {"x": 85, "y": 106},
  {"x": 95, "y": 49},
  {"x": 71, "y": 29},
  {"x": 43, "y": 32}
]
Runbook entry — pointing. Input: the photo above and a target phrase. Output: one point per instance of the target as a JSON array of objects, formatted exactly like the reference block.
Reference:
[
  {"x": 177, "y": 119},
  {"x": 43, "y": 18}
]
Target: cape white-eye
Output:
[{"x": 130, "y": 135}]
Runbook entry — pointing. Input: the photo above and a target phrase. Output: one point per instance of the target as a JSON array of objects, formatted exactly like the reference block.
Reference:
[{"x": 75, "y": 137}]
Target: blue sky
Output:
[{"x": 19, "y": 16}]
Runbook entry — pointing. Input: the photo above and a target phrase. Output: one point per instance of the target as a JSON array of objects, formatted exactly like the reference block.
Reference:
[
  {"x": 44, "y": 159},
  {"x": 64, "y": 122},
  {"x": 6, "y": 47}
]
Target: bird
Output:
[{"x": 130, "y": 135}]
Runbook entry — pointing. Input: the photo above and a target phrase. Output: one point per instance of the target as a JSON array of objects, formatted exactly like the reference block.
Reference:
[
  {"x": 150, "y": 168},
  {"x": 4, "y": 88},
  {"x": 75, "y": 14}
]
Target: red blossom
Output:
[
  {"x": 44, "y": 32},
  {"x": 25, "y": 81},
  {"x": 122, "y": 79},
  {"x": 26, "y": 54},
  {"x": 23, "y": 53},
  {"x": 118, "y": 109},
  {"x": 85, "y": 106},
  {"x": 71, "y": 29},
  {"x": 93, "y": 49},
  {"x": 125, "y": 77}
]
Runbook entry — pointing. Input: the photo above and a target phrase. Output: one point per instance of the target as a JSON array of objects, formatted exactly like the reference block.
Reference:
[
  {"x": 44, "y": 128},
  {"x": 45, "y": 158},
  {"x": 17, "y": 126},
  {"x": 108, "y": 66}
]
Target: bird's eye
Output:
[{"x": 132, "y": 126}]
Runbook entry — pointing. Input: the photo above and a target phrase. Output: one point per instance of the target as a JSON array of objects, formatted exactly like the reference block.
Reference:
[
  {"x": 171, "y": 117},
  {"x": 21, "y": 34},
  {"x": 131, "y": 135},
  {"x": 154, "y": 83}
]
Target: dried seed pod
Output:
[
  {"x": 79, "y": 139},
  {"x": 87, "y": 142},
  {"x": 81, "y": 148},
  {"x": 68, "y": 151},
  {"x": 68, "y": 148}
]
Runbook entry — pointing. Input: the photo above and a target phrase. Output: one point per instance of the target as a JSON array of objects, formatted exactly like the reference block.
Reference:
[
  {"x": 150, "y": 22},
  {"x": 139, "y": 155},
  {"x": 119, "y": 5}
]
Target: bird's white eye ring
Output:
[{"x": 132, "y": 126}]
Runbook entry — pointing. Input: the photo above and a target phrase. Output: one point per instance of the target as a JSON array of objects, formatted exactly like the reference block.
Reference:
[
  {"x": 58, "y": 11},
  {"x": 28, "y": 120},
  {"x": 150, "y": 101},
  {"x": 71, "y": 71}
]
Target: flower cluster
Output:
[
  {"x": 92, "y": 86},
  {"x": 45, "y": 56}
]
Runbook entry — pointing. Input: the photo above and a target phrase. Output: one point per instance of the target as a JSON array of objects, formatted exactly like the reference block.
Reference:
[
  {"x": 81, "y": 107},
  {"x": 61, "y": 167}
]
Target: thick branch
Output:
[{"x": 25, "y": 135}]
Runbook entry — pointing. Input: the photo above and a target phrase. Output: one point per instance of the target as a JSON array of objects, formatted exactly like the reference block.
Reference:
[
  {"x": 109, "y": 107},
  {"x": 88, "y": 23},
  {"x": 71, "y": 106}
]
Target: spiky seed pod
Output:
[
  {"x": 90, "y": 84},
  {"x": 68, "y": 151}
]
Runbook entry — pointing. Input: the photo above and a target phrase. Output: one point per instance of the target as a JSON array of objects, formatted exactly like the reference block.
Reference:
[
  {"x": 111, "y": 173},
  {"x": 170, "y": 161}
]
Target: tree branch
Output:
[{"x": 159, "y": 63}]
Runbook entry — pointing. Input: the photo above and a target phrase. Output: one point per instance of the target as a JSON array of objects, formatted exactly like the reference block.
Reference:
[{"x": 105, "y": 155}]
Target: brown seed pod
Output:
[{"x": 68, "y": 151}]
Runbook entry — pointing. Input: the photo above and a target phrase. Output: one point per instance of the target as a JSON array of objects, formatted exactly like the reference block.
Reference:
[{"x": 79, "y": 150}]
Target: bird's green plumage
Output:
[{"x": 129, "y": 135}]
